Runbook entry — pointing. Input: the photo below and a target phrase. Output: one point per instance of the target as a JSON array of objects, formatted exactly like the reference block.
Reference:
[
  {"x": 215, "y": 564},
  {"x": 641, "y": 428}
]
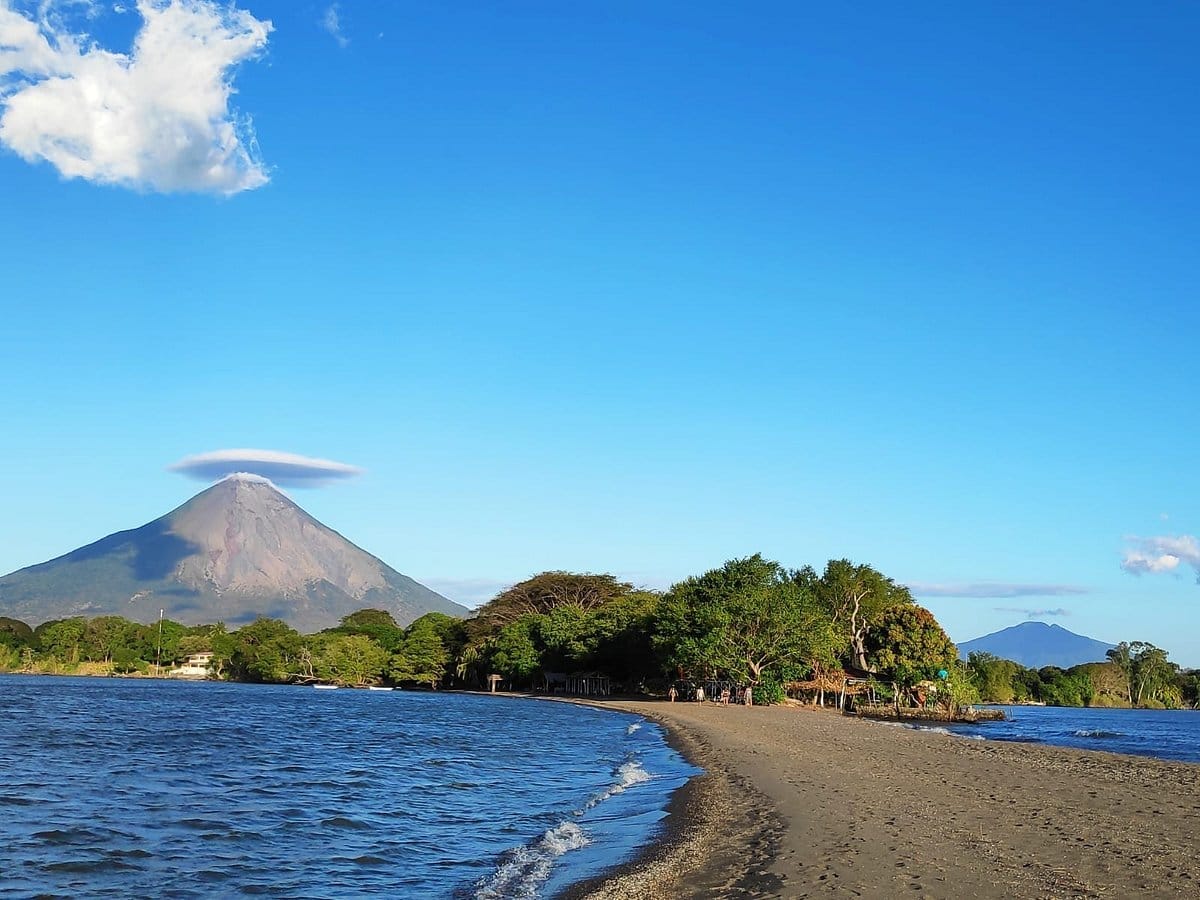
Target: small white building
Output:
[{"x": 195, "y": 665}]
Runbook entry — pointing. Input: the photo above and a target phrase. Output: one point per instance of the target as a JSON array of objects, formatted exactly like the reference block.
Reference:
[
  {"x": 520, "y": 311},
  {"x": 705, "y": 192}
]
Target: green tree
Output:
[
  {"x": 199, "y": 639},
  {"x": 266, "y": 650},
  {"x": 376, "y": 624},
  {"x": 567, "y": 637},
  {"x": 1065, "y": 688},
  {"x": 1189, "y": 688},
  {"x": 513, "y": 653},
  {"x": 349, "y": 659},
  {"x": 1122, "y": 658},
  {"x": 852, "y": 596},
  {"x": 548, "y": 591},
  {"x": 423, "y": 656},
  {"x": 108, "y": 636},
  {"x": 452, "y": 632},
  {"x": 1153, "y": 675},
  {"x": 15, "y": 634},
  {"x": 993, "y": 677},
  {"x": 744, "y": 619},
  {"x": 906, "y": 644},
  {"x": 622, "y": 638},
  {"x": 62, "y": 638}
]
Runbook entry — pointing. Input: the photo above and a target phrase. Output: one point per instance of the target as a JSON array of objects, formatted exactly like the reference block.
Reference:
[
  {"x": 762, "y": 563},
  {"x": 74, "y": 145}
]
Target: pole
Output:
[{"x": 158, "y": 653}]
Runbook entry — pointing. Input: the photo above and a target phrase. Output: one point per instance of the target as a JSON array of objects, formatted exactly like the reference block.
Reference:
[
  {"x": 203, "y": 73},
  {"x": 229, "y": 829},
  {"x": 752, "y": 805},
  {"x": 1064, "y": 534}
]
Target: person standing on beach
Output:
[
  {"x": 700, "y": 694},
  {"x": 672, "y": 694},
  {"x": 749, "y": 696}
]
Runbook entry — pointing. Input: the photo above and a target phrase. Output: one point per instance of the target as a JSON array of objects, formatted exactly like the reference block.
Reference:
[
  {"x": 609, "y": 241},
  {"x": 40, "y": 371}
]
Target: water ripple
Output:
[{"x": 117, "y": 788}]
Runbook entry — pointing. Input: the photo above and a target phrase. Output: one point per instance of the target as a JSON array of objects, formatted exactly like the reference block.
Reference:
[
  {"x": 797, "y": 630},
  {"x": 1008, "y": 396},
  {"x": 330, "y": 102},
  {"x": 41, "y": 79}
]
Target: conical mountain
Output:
[{"x": 238, "y": 550}]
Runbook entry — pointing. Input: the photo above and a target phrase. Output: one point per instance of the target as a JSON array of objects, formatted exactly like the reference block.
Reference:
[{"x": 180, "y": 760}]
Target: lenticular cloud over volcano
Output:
[{"x": 287, "y": 469}]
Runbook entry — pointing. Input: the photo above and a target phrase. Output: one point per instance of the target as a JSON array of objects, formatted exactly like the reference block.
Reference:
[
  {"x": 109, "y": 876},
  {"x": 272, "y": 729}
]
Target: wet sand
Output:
[{"x": 799, "y": 803}]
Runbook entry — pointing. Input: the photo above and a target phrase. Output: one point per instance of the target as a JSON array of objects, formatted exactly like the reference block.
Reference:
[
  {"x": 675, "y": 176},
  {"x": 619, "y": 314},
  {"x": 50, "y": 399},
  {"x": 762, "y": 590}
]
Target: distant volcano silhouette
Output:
[
  {"x": 238, "y": 550},
  {"x": 1036, "y": 644}
]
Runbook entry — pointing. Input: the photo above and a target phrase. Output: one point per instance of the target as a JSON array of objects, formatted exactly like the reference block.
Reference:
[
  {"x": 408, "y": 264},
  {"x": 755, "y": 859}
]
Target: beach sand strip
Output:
[{"x": 803, "y": 803}]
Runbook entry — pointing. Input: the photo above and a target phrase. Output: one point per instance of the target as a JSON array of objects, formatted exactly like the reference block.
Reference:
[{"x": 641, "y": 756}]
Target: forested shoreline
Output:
[
  {"x": 1135, "y": 675},
  {"x": 750, "y": 622}
]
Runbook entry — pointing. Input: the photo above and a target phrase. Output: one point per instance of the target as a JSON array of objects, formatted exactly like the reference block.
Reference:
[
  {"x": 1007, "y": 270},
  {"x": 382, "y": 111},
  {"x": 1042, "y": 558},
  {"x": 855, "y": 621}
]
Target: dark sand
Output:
[{"x": 799, "y": 803}]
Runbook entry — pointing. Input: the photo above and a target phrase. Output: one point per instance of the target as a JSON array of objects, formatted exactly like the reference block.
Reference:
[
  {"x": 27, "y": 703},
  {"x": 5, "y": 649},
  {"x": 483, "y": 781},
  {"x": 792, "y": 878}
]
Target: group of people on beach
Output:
[{"x": 743, "y": 695}]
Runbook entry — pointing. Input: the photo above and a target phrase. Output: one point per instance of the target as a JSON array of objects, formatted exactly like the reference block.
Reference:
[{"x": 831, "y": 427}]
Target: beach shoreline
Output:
[{"x": 806, "y": 803}]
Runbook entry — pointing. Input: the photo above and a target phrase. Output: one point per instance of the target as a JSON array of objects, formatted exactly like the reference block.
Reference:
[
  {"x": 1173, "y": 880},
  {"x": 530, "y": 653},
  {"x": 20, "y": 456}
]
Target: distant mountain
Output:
[
  {"x": 1036, "y": 644},
  {"x": 238, "y": 550}
]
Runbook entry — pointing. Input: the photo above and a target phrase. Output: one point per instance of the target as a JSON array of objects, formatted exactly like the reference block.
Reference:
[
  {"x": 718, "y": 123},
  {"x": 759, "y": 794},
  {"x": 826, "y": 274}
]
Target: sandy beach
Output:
[{"x": 800, "y": 803}]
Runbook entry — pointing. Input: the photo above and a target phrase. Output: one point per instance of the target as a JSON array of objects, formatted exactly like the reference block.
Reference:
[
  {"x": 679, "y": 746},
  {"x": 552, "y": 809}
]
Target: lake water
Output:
[
  {"x": 127, "y": 788},
  {"x": 1162, "y": 733}
]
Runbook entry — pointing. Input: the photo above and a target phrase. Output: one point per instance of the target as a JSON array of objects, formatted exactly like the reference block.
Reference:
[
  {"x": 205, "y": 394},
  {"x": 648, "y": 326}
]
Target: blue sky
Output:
[{"x": 629, "y": 287}]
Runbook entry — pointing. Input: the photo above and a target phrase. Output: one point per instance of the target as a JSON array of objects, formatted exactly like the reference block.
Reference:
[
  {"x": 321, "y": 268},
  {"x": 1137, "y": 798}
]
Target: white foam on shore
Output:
[
  {"x": 523, "y": 869},
  {"x": 933, "y": 729},
  {"x": 629, "y": 774},
  {"x": 634, "y": 727}
]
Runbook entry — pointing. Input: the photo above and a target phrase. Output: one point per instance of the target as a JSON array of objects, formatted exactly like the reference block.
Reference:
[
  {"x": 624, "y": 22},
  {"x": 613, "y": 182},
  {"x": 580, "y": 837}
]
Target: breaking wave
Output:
[
  {"x": 523, "y": 869},
  {"x": 1097, "y": 733},
  {"x": 933, "y": 729}
]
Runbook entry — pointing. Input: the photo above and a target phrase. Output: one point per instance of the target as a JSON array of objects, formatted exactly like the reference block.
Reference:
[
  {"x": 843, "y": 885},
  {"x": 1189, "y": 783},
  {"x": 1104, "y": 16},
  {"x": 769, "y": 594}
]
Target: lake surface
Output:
[
  {"x": 127, "y": 788},
  {"x": 1162, "y": 733}
]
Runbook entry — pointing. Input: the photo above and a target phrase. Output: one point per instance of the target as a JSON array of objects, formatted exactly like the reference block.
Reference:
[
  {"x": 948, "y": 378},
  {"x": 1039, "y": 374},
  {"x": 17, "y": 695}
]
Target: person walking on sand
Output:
[
  {"x": 672, "y": 694},
  {"x": 700, "y": 694},
  {"x": 724, "y": 696}
]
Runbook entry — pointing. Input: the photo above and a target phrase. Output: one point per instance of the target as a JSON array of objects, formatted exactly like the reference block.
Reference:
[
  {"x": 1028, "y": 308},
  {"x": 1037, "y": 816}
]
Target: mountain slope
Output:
[
  {"x": 235, "y": 551},
  {"x": 1036, "y": 644}
]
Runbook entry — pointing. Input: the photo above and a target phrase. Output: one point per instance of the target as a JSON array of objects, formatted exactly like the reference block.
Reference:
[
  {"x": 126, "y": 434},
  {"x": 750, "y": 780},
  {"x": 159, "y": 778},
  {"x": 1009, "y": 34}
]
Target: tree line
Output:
[
  {"x": 751, "y": 621},
  {"x": 1135, "y": 674}
]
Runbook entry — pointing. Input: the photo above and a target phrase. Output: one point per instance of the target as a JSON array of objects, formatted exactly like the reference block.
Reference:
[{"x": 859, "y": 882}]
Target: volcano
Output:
[
  {"x": 1037, "y": 644},
  {"x": 238, "y": 550}
]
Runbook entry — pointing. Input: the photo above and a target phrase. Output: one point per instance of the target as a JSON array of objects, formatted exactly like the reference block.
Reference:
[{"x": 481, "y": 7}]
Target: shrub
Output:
[{"x": 769, "y": 691}]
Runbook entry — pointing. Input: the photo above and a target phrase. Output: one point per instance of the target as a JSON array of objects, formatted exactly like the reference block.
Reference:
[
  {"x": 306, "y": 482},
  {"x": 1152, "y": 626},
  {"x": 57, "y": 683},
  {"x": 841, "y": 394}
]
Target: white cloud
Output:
[
  {"x": 1034, "y": 613},
  {"x": 994, "y": 589},
  {"x": 1161, "y": 554},
  {"x": 332, "y": 23},
  {"x": 157, "y": 118},
  {"x": 289, "y": 469}
]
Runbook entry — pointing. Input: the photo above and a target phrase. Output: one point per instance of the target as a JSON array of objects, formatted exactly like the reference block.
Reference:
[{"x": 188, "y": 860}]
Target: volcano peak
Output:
[{"x": 239, "y": 549}]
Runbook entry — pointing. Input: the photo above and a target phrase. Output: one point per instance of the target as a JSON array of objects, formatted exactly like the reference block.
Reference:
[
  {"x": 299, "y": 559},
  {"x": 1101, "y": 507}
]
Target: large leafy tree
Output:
[
  {"x": 745, "y": 619},
  {"x": 62, "y": 638},
  {"x": 556, "y": 609},
  {"x": 993, "y": 677},
  {"x": 548, "y": 591},
  {"x": 15, "y": 633},
  {"x": 376, "y": 624},
  {"x": 621, "y": 638},
  {"x": 265, "y": 650},
  {"x": 423, "y": 655},
  {"x": 906, "y": 644},
  {"x": 1149, "y": 676},
  {"x": 1122, "y": 657},
  {"x": 350, "y": 659},
  {"x": 852, "y": 596},
  {"x": 513, "y": 653}
]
